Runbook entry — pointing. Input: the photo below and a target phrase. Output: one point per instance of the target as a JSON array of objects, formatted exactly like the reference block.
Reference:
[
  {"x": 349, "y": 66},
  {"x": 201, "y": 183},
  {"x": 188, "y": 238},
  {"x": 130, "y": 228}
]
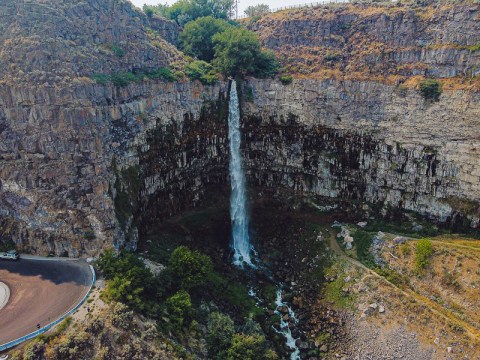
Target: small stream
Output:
[{"x": 284, "y": 325}]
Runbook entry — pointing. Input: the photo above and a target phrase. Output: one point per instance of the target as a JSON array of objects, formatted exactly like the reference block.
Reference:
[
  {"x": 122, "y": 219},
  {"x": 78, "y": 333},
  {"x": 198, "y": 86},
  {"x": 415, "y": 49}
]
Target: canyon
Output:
[{"x": 84, "y": 166}]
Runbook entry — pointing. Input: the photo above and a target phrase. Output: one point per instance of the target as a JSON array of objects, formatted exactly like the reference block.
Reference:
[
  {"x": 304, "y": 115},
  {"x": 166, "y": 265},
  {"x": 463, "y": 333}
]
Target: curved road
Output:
[{"x": 40, "y": 292}]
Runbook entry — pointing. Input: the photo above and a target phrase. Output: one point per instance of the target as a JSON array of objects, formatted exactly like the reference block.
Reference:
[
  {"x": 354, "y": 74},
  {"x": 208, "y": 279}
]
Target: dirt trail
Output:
[{"x": 433, "y": 307}]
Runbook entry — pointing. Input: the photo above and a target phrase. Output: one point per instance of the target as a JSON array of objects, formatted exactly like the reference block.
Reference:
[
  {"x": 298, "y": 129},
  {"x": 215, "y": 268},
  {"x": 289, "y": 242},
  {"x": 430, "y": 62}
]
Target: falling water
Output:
[{"x": 238, "y": 203}]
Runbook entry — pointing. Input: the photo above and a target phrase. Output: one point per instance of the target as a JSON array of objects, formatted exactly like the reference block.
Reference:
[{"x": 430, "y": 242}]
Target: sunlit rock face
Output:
[{"x": 363, "y": 141}]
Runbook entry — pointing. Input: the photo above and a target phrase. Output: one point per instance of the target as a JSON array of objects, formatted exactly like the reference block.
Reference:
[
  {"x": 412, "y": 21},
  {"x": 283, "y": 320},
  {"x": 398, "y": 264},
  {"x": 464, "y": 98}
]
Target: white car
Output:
[{"x": 9, "y": 255}]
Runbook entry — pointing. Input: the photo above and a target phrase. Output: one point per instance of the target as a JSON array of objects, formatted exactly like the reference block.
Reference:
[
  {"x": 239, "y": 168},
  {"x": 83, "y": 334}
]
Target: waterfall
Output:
[{"x": 238, "y": 201}]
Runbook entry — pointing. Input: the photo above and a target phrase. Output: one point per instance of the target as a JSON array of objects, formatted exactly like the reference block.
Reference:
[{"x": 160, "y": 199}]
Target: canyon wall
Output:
[
  {"x": 73, "y": 162},
  {"x": 364, "y": 141},
  {"x": 85, "y": 166}
]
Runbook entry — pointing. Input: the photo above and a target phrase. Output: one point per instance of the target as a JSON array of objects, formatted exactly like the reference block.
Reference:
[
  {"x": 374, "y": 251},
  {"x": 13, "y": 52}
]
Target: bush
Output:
[
  {"x": 202, "y": 71},
  {"x": 247, "y": 347},
  {"x": 257, "y": 10},
  {"x": 196, "y": 38},
  {"x": 161, "y": 74},
  {"x": 128, "y": 279},
  {"x": 286, "y": 79},
  {"x": 179, "y": 307},
  {"x": 423, "y": 251},
  {"x": 431, "y": 89},
  {"x": 220, "y": 330},
  {"x": 190, "y": 268}
]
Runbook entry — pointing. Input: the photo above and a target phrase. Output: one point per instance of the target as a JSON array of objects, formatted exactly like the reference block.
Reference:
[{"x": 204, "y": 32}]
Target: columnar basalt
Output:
[{"x": 363, "y": 141}]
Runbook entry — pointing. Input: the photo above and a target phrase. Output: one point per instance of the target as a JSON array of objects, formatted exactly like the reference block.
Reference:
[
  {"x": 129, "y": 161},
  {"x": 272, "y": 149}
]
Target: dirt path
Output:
[{"x": 433, "y": 307}]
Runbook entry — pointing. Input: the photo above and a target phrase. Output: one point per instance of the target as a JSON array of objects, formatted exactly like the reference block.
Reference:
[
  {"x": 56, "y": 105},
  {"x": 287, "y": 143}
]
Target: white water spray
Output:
[
  {"x": 284, "y": 328},
  {"x": 238, "y": 200}
]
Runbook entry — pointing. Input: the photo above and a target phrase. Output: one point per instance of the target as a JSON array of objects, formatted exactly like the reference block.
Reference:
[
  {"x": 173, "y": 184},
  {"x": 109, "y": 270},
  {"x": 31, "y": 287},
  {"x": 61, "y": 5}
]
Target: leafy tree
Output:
[
  {"x": 201, "y": 70},
  {"x": 423, "y": 251},
  {"x": 238, "y": 52},
  {"x": 184, "y": 11},
  {"x": 196, "y": 38},
  {"x": 220, "y": 330},
  {"x": 160, "y": 10},
  {"x": 257, "y": 10},
  {"x": 190, "y": 268},
  {"x": 179, "y": 307},
  {"x": 247, "y": 347}
]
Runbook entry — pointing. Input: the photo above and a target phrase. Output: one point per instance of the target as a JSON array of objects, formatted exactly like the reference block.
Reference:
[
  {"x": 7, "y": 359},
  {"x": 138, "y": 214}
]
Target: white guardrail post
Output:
[{"x": 52, "y": 324}]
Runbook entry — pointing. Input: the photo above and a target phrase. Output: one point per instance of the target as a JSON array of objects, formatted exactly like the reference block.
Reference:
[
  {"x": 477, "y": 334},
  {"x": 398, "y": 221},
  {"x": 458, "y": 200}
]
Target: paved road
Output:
[{"x": 40, "y": 292}]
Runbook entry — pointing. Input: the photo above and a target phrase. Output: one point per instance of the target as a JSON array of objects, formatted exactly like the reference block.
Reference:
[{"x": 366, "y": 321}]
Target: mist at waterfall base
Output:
[
  {"x": 238, "y": 199},
  {"x": 243, "y": 250}
]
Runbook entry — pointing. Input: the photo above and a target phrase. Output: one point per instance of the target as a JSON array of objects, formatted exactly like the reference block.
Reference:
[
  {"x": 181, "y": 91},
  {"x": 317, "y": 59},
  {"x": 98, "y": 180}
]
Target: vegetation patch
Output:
[
  {"x": 431, "y": 89},
  {"x": 423, "y": 251}
]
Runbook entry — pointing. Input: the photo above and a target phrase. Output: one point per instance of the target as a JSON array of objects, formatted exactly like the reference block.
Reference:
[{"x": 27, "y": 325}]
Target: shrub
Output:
[
  {"x": 423, "y": 251},
  {"x": 286, "y": 79},
  {"x": 190, "y": 268},
  {"x": 247, "y": 347},
  {"x": 220, "y": 330},
  {"x": 161, "y": 74},
  {"x": 431, "y": 89},
  {"x": 122, "y": 316},
  {"x": 202, "y": 71},
  {"x": 89, "y": 235},
  {"x": 179, "y": 307},
  {"x": 257, "y": 10}
]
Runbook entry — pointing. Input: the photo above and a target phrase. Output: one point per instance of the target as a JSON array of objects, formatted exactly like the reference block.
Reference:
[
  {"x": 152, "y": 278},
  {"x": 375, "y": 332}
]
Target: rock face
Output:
[
  {"x": 363, "y": 141},
  {"x": 365, "y": 41},
  {"x": 60, "y": 41},
  {"x": 84, "y": 166}
]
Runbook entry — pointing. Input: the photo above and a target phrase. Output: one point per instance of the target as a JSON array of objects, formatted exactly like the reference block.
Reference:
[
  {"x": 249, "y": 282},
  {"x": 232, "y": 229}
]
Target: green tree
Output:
[
  {"x": 220, "y": 330},
  {"x": 179, "y": 308},
  {"x": 190, "y": 268},
  {"x": 247, "y": 347},
  {"x": 423, "y": 251},
  {"x": 196, "y": 37},
  {"x": 257, "y": 10}
]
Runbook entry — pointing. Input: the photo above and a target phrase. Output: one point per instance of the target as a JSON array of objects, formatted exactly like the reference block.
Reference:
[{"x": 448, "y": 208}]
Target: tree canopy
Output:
[
  {"x": 184, "y": 11},
  {"x": 196, "y": 37},
  {"x": 257, "y": 10}
]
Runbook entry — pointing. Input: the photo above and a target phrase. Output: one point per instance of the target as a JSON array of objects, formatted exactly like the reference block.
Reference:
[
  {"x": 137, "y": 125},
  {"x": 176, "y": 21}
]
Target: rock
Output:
[
  {"x": 400, "y": 240},
  {"x": 381, "y": 309},
  {"x": 362, "y": 224}
]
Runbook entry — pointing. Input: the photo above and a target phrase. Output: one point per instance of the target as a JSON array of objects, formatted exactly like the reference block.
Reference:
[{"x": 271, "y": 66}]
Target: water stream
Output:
[{"x": 243, "y": 250}]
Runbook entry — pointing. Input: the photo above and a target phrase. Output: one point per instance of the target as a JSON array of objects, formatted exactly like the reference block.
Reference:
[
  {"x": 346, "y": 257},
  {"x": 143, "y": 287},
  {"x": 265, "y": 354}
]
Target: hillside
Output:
[
  {"x": 57, "y": 41},
  {"x": 388, "y": 42}
]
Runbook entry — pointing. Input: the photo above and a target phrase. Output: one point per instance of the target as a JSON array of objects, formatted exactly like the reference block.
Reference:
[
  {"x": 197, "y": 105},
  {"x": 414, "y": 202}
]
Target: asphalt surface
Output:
[{"x": 40, "y": 292}]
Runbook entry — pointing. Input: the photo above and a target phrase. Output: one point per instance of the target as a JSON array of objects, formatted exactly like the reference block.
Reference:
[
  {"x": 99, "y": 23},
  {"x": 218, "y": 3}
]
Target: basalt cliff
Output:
[{"x": 84, "y": 165}]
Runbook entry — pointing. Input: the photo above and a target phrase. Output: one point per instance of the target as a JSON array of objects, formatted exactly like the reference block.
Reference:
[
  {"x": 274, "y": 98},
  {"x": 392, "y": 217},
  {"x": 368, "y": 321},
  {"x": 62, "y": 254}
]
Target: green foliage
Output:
[
  {"x": 161, "y": 74},
  {"x": 363, "y": 241},
  {"x": 257, "y": 10},
  {"x": 179, "y": 308},
  {"x": 128, "y": 279},
  {"x": 117, "y": 50},
  {"x": 190, "y": 268},
  {"x": 286, "y": 79},
  {"x": 392, "y": 276},
  {"x": 184, "y": 11},
  {"x": 220, "y": 330},
  {"x": 423, "y": 251},
  {"x": 431, "y": 89},
  {"x": 196, "y": 37},
  {"x": 247, "y": 347},
  {"x": 202, "y": 71},
  {"x": 6, "y": 245},
  {"x": 238, "y": 52}
]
